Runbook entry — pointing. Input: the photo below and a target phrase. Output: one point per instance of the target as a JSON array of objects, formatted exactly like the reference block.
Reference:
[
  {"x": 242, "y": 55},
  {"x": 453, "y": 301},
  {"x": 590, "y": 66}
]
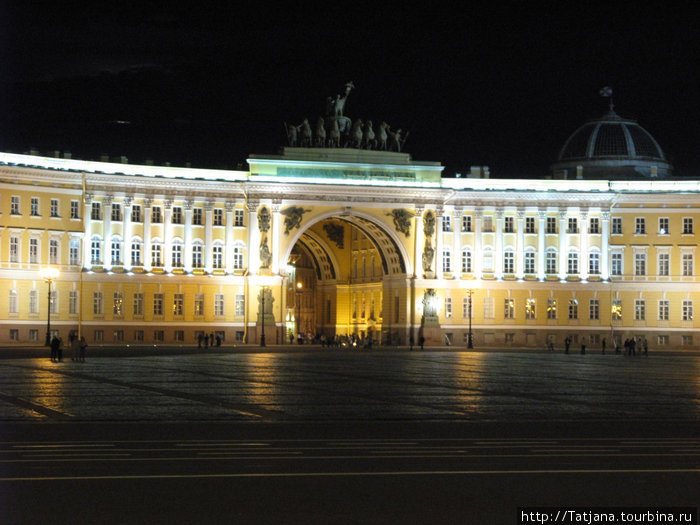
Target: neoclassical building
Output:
[{"x": 335, "y": 241}]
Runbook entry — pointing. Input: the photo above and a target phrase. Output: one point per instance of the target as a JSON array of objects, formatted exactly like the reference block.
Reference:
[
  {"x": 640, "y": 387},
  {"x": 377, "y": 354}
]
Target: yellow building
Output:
[{"x": 351, "y": 241}]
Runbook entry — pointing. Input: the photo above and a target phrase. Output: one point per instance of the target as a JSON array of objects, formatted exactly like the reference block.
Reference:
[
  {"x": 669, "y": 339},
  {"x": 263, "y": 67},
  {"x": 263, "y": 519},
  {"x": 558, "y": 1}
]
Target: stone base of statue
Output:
[
  {"x": 429, "y": 275},
  {"x": 270, "y": 330},
  {"x": 430, "y": 330},
  {"x": 264, "y": 271}
]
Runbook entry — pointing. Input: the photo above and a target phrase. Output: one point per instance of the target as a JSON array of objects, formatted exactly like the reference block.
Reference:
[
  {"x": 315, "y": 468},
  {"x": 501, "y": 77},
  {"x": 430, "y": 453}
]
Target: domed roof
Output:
[{"x": 611, "y": 147}]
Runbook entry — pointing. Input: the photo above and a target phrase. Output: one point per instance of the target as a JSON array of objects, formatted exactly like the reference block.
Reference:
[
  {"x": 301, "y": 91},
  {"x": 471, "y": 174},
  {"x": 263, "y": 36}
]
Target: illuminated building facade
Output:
[{"x": 349, "y": 241}]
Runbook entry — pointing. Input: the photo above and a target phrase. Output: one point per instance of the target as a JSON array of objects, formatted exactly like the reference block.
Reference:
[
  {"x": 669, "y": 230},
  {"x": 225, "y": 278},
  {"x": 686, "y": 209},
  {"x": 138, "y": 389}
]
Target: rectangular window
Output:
[
  {"x": 687, "y": 340},
  {"x": 54, "y": 207},
  {"x": 663, "y": 226},
  {"x": 118, "y": 305},
  {"x": 594, "y": 309},
  {"x": 33, "y": 301},
  {"x": 178, "y": 305},
  {"x": 35, "y": 207},
  {"x": 136, "y": 248},
  {"x": 197, "y": 217},
  {"x": 573, "y": 309},
  {"x": 640, "y": 264},
  {"x": 116, "y": 212},
  {"x": 14, "y": 205},
  {"x": 53, "y": 302},
  {"x": 530, "y": 311},
  {"x": 448, "y": 307},
  {"x": 616, "y": 261},
  {"x": 118, "y": 336},
  {"x": 158, "y": 304},
  {"x": 446, "y": 223},
  {"x": 508, "y": 262},
  {"x": 14, "y": 249},
  {"x": 34, "y": 251},
  {"x": 509, "y": 308},
  {"x": 177, "y": 256},
  {"x": 219, "y": 305},
  {"x": 238, "y": 218},
  {"x": 177, "y": 215},
  {"x": 218, "y": 256},
  {"x": 74, "y": 210},
  {"x": 446, "y": 261},
  {"x": 158, "y": 336},
  {"x": 239, "y": 307},
  {"x": 179, "y": 336},
  {"x": 14, "y": 302},
  {"x": 573, "y": 225},
  {"x": 14, "y": 334},
  {"x": 529, "y": 225},
  {"x": 687, "y": 264},
  {"x": 74, "y": 252},
  {"x": 33, "y": 334},
  {"x": 197, "y": 256},
  {"x": 97, "y": 303},
  {"x": 156, "y": 215},
  {"x": 664, "y": 264},
  {"x": 616, "y": 310},
  {"x": 594, "y": 225},
  {"x": 664, "y": 310},
  {"x": 136, "y": 213},
  {"x": 218, "y": 217},
  {"x": 466, "y": 223},
  {"x": 98, "y": 336},
  {"x": 138, "y": 304},
  {"x": 155, "y": 255},
  {"x": 594, "y": 263},
  {"x": 73, "y": 302},
  {"x": 509, "y": 225},
  {"x": 551, "y": 225},
  {"x": 640, "y": 226},
  {"x": 116, "y": 253},
  {"x": 466, "y": 261},
  {"x": 138, "y": 336},
  {"x": 199, "y": 305},
  {"x": 687, "y": 225},
  {"x": 96, "y": 213},
  {"x": 551, "y": 309},
  {"x": 488, "y": 308},
  {"x": 640, "y": 310},
  {"x": 687, "y": 312},
  {"x": 617, "y": 225},
  {"x": 488, "y": 223}
]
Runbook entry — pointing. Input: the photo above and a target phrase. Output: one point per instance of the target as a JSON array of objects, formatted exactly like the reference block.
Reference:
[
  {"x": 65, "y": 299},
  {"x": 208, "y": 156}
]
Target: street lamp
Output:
[
  {"x": 49, "y": 275},
  {"x": 470, "y": 343},
  {"x": 300, "y": 285},
  {"x": 262, "y": 301}
]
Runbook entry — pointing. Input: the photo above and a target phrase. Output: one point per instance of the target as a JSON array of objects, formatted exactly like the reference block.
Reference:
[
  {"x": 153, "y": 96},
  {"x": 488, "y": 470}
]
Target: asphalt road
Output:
[{"x": 329, "y": 437}]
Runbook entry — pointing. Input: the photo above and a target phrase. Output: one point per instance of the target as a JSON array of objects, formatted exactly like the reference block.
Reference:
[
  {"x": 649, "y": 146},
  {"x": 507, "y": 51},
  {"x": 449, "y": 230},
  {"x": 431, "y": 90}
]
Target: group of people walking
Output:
[
  {"x": 632, "y": 346},
  {"x": 78, "y": 348},
  {"x": 207, "y": 340}
]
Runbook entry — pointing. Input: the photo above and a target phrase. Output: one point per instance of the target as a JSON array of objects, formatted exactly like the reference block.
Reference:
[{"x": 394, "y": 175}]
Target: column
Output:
[
  {"x": 107, "y": 230},
  {"x": 420, "y": 241},
  {"x": 477, "y": 257},
  {"x": 457, "y": 242},
  {"x": 605, "y": 245},
  {"x": 541, "y": 253},
  {"x": 147, "y": 212},
  {"x": 253, "y": 255},
  {"x": 438, "y": 243},
  {"x": 87, "y": 239},
  {"x": 498, "y": 252},
  {"x": 126, "y": 232},
  {"x": 228, "y": 249},
  {"x": 562, "y": 244},
  {"x": 209, "y": 236},
  {"x": 187, "y": 205},
  {"x": 168, "y": 235},
  {"x": 520, "y": 248},
  {"x": 275, "y": 238},
  {"x": 583, "y": 245}
]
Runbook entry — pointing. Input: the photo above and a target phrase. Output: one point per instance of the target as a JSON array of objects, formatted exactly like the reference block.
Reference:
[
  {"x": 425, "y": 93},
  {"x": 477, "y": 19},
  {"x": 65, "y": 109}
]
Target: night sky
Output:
[{"x": 473, "y": 85}]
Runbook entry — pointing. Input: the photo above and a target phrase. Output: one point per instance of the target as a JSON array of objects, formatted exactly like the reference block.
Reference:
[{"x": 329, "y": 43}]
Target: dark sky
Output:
[{"x": 474, "y": 85}]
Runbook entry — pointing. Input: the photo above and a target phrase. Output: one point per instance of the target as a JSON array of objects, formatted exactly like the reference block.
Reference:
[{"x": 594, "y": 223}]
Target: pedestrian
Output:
[
  {"x": 410, "y": 342},
  {"x": 646, "y": 346},
  {"x": 206, "y": 340},
  {"x": 421, "y": 341},
  {"x": 54, "y": 348},
  {"x": 75, "y": 347},
  {"x": 218, "y": 340},
  {"x": 211, "y": 339},
  {"x": 603, "y": 345},
  {"x": 583, "y": 348},
  {"x": 200, "y": 336},
  {"x": 567, "y": 343},
  {"x": 83, "y": 349}
]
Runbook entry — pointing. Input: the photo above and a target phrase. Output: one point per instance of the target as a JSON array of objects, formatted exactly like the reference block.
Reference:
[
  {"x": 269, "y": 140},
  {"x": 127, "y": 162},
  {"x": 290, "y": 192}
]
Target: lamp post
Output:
[
  {"x": 300, "y": 285},
  {"x": 49, "y": 275},
  {"x": 470, "y": 343},
  {"x": 262, "y": 301}
]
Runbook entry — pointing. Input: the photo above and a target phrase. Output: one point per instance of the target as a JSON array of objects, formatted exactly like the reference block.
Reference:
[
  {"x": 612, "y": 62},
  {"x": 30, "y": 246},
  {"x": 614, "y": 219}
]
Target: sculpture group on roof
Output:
[{"x": 335, "y": 130}]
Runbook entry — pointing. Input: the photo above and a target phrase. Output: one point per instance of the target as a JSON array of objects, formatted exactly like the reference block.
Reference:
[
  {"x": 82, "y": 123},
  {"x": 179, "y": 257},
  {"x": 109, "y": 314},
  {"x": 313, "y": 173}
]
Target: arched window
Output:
[
  {"x": 530, "y": 261},
  {"x": 218, "y": 255},
  {"x": 116, "y": 251},
  {"x": 197, "y": 254},
  {"x": 551, "y": 261},
  {"x": 176, "y": 257},
  {"x": 136, "y": 251},
  {"x": 572, "y": 262},
  {"x": 156, "y": 252},
  {"x": 238, "y": 249},
  {"x": 594, "y": 263},
  {"x": 508, "y": 261},
  {"x": 96, "y": 250}
]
